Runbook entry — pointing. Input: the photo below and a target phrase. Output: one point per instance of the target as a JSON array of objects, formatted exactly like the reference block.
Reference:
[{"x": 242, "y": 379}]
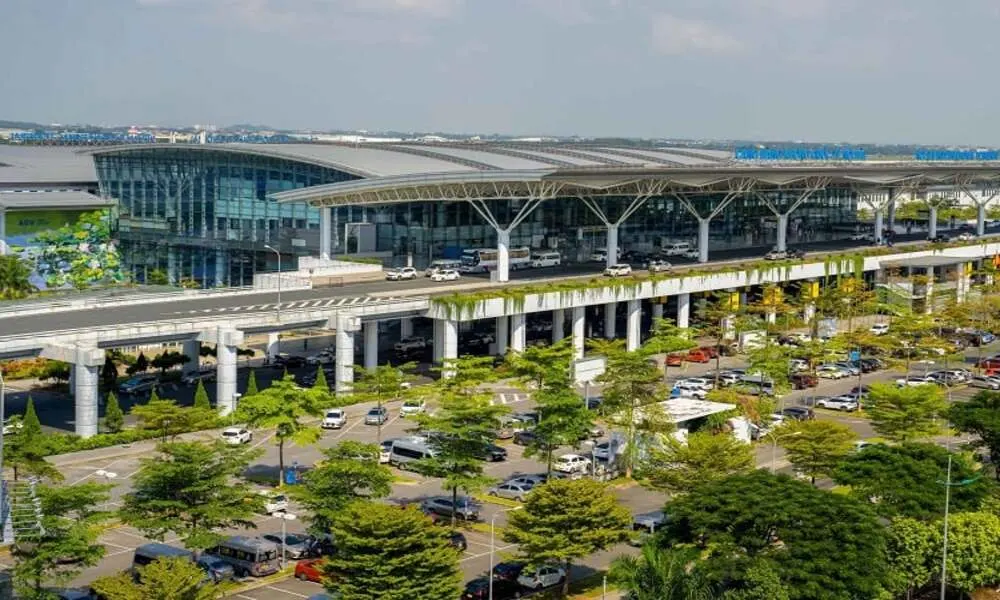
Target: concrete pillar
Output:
[
  {"x": 192, "y": 350},
  {"x": 980, "y": 218},
  {"x": 226, "y": 342},
  {"x": 344, "y": 359},
  {"x": 406, "y": 327},
  {"x": 325, "y": 232},
  {"x": 438, "y": 345},
  {"x": 932, "y": 222},
  {"x": 963, "y": 282},
  {"x": 518, "y": 332},
  {"x": 449, "y": 339},
  {"x": 558, "y": 324},
  {"x": 879, "y": 226},
  {"x": 87, "y": 369},
  {"x": 703, "y": 225},
  {"x": 771, "y": 317},
  {"x": 371, "y": 345},
  {"x": 632, "y": 333},
  {"x": 809, "y": 312},
  {"x": 782, "y": 231},
  {"x": 657, "y": 312},
  {"x": 503, "y": 255},
  {"x": 3, "y": 230},
  {"x": 72, "y": 380},
  {"x": 273, "y": 347},
  {"x": 612, "y": 245},
  {"x": 172, "y": 277},
  {"x": 891, "y": 214},
  {"x": 609, "y": 320},
  {"x": 683, "y": 310},
  {"x": 503, "y": 334},
  {"x": 579, "y": 331},
  {"x": 929, "y": 297},
  {"x": 221, "y": 268}
]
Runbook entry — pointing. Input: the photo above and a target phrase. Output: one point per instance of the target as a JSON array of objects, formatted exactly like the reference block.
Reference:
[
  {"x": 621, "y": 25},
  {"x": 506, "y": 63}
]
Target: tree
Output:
[
  {"x": 816, "y": 447},
  {"x": 772, "y": 362},
  {"x": 285, "y": 407},
  {"x": 980, "y": 416},
  {"x": 168, "y": 360},
  {"x": 114, "y": 418},
  {"x": 170, "y": 419},
  {"x": 141, "y": 363},
  {"x": 201, "y": 401},
  {"x": 912, "y": 547},
  {"x": 663, "y": 574},
  {"x": 902, "y": 414},
  {"x": 566, "y": 519},
  {"x": 109, "y": 372},
  {"x": 15, "y": 278},
  {"x": 320, "y": 383},
  {"x": 157, "y": 277},
  {"x": 821, "y": 545},
  {"x": 63, "y": 542},
  {"x": 758, "y": 581},
  {"x": 384, "y": 383},
  {"x": 390, "y": 553},
  {"x": 251, "y": 384},
  {"x": 973, "y": 550},
  {"x": 348, "y": 472},
  {"x": 463, "y": 427},
  {"x": 26, "y": 449},
  {"x": 633, "y": 390},
  {"x": 168, "y": 578},
  {"x": 540, "y": 366},
  {"x": 667, "y": 337},
  {"x": 904, "y": 480},
  {"x": 681, "y": 466},
  {"x": 192, "y": 490}
]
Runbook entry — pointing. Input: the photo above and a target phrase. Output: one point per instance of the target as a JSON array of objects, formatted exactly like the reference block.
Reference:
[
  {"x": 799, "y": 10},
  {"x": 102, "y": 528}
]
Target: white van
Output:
[
  {"x": 677, "y": 249},
  {"x": 409, "y": 450},
  {"x": 546, "y": 259},
  {"x": 442, "y": 265}
]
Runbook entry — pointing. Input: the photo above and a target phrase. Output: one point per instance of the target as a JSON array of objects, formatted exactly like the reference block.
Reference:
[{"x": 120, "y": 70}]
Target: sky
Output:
[{"x": 872, "y": 71}]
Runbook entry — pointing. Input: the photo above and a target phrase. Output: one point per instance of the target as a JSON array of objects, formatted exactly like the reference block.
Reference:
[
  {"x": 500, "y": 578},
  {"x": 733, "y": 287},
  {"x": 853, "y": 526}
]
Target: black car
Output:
[
  {"x": 457, "y": 539},
  {"x": 291, "y": 361},
  {"x": 494, "y": 453},
  {"x": 525, "y": 437},
  {"x": 796, "y": 253},
  {"x": 799, "y": 413},
  {"x": 479, "y": 589},
  {"x": 940, "y": 238},
  {"x": 594, "y": 402},
  {"x": 507, "y": 571}
]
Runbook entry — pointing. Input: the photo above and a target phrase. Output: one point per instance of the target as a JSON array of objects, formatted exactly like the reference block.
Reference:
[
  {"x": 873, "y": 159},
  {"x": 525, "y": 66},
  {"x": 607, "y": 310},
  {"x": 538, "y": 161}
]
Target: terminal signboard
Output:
[
  {"x": 820, "y": 153},
  {"x": 956, "y": 155}
]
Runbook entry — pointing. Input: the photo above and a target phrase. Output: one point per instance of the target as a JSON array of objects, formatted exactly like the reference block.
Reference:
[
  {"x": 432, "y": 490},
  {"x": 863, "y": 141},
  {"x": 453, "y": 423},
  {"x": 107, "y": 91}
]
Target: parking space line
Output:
[
  {"x": 289, "y": 592},
  {"x": 117, "y": 546}
]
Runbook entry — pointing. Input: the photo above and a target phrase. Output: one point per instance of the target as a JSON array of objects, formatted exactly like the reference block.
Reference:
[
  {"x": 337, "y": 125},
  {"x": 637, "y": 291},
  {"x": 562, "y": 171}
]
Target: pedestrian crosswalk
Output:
[
  {"x": 296, "y": 305},
  {"x": 505, "y": 398}
]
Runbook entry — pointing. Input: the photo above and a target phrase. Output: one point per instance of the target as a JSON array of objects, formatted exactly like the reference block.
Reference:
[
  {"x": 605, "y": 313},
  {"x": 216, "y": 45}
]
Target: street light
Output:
[
  {"x": 277, "y": 307},
  {"x": 285, "y": 518},
  {"x": 493, "y": 523},
  {"x": 774, "y": 446},
  {"x": 947, "y": 483}
]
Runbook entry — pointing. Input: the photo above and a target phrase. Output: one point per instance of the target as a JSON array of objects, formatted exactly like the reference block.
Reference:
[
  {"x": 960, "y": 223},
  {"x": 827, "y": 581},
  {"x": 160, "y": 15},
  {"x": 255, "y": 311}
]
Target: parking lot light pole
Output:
[
  {"x": 774, "y": 447},
  {"x": 493, "y": 524}
]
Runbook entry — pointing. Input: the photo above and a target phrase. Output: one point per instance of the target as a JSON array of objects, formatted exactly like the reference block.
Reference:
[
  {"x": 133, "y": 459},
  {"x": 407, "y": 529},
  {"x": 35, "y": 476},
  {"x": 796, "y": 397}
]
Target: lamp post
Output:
[
  {"x": 948, "y": 484},
  {"x": 493, "y": 523},
  {"x": 277, "y": 307},
  {"x": 285, "y": 518},
  {"x": 774, "y": 447}
]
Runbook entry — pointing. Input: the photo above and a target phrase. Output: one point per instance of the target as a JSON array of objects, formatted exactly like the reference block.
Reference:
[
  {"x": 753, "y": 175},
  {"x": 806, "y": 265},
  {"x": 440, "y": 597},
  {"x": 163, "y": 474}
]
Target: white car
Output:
[
  {"x": 323, "y": 358},
  {"x": 510, "y": 491},
  {"x": 385, "y": 451},
  {"x": 842, "y": 403},
  {"x": 599, "y": 256},
  {"x": 234, "y": 436},
  {"x": 677, "y": 249},
  {"x": 702, "y": 382},
  {"x": 274, "y": 503},
  {"x": 618, "y": 270},
  {"x": 690, "y": 390},
  {"x": 776, "y": 255},
  {"x": 335, "y": 418},
  {"x": 412, "y": 407},
  {"x": 194, "y": 378},
  {"x": 913, "y": 381},
  {"x": 408, "y": 344},
  {"x": 860, "y": 236},
  {"x": 659, "y": 266},
  {"x": 571, "y": 463},
  {"x": 400, "y": 274},
  {"x": 798, "y": 365},
  {"x": 831, "y": 372},
  {"x": 445, "y": 275},
  {"x": 692, "y": 254},
  {"x": 541, "y": 578},
  {"x": 965, "y": 237},
  {"x": 12, "y": 426},
  {"x": 879, "y": 329}
]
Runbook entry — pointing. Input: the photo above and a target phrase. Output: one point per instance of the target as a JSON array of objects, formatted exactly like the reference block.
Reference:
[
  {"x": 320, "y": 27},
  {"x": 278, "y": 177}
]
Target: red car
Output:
[
  {"x": 675, "y": 360},
  {"x": 711, "y": 351},
  {"x": 310, "y": 570},
  {"x": 698, "y": 356}
]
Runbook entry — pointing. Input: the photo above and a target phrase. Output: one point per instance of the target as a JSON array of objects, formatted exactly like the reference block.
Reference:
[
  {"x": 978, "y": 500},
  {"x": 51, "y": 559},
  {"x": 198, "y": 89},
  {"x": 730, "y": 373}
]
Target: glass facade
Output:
[{"x": 204, "y": 216}]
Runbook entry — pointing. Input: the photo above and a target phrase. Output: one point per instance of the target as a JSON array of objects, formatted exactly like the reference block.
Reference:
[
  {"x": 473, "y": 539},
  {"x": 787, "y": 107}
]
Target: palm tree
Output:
[
  {"x": 14, "y": 282},
  {"x": 663, "y": 574}
]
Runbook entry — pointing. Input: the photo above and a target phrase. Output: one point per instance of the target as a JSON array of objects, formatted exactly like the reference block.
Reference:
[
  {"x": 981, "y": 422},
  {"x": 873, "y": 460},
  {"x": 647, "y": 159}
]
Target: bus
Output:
[{"x": 481, "y": 260}]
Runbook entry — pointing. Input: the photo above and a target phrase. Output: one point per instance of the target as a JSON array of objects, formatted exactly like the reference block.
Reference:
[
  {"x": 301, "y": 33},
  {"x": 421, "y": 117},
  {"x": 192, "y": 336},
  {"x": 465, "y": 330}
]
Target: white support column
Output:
[
  {"x": 172, "y": 277},
  {"x": 657, "y": 312},
  {"x": 579, "y": 331},
  {"x": 344, "y": 358},
  {"x": 518, "y": 332},
  {"x": 632, "y": 334},
  {"x": 782, "y": 231},
  {"x": 406, "y": 327},
  {"x": 3, "y": 230},
  {"x": 225, "y": 380},
  {"x": 87, "y": 368},
  {"x": 72, "y": 380},
  {"x": 558, "y": 324},
  {"x": 325, "y": 232},
  {"x": 929, "y": 294},
  {"x": 503, "y": 255},
  {"x": 980, "y": 218},
  {"x": 192, "y": 350},
  {"x": 221, "y": 268},
  {"x": 771, "y": 317},
  {"x": 273, "y": 346},
  {"x": 683, "y": 310},
  {"x": 703, "y": 228},
  {"x": 438, "y": 344},
  {"x": 891, "y": 213},
  {"x": 932, "y": 222},
  {"x": 503, "y": 334},
  {"x": 809, "y": 312},
  {"x": 449, "y": 339},
  {"x": 371, "y": 345},
  {"x": 610, "y": 312},
  {"x": 612, "y": 258},
  {"x": 879, "y": 226}
]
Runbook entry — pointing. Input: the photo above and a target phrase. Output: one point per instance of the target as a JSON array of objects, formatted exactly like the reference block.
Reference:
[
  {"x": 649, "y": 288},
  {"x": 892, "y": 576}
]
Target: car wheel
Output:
[{"x": 301, "y": 577}]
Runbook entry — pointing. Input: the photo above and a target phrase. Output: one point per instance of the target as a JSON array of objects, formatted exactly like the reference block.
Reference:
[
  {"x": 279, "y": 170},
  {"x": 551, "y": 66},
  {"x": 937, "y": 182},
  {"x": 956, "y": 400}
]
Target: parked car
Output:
[
  {"x": 697, "y": 355},
  {"x": 493, "y": 453},
  {"x": 528, "y": 480},
  {"x": 831, "y": 372},
  {"x": 571, "y": 463},
  {"x": 674, "y": 360},
  {"x": 507, "y": 571},
  {"x": 941, "y": 238},
  {"x": 799, "y": 413},
  {"x": 841, "y": 403},
  {"x": 203, "y": 376},
  {"x": 335, "y": 418},
  {"x": 290, "y": 361},
  {"x": 215, "y": 568},
  {"x": 542, "y": 577},
  {"x": 400, "y": 274},
  {"x": 620, "y": 270},
  {"x": 525, "y": 437},
  {"x": 465, "y": 509},
  {"x": 234, "y": 436},
  {"x": 685, "y": 388},
  {"x": 412, "y": 407},
  {"x": 677, "y": 249},
  {"x": 409, "y": 344},
  {"x": 852, "y": 369},
  {"x": 913, "y": 380},
  {"x": 138, "y": 384},
  {"x": 310, "y": 570},
  {"x": 801, "y": 381},
  {"x": 879, "y": 328},
  {"x": 377, "y": 416},
  {"x": 503, "y": 589},
  {"x": 445, "y": 275},
  {"x": 659, "y": 266},
  {"x": 776, "y": 255},
  {"x": 324, "y": 357},
  {"x": 296, "y": 546},
  {"x": 274, "y": 503},
  {"x": 985, "y": 382},
  {"x": 511, "y": 491},
  {"x": 796, "y": 253}
]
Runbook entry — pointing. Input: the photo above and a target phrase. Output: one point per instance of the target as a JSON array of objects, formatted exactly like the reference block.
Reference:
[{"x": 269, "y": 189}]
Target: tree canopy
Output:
[
  {"x": 680, "y": 466},
  {"x": 171, "y": 419},
  {"x": 816, "y": 447},
  {"x": 907, "y": 413},
  {"x": 980, "y": 416},
  {"x": 168, "y": 578}
]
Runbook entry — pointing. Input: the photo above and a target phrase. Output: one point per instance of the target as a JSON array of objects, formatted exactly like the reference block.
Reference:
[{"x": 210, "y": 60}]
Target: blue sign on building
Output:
[
  {"x": 822, "y": 153},
  {"x": 956, "y": 155}
]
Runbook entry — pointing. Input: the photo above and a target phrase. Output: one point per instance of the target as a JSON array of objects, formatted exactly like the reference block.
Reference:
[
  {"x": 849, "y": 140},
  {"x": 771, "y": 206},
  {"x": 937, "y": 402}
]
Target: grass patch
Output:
[
  {"x": 262, "y": 582},
  {"x": 481, "y": 527},
  {"x": 487, "y": 499},
  {"x": 404, "y": 480}
]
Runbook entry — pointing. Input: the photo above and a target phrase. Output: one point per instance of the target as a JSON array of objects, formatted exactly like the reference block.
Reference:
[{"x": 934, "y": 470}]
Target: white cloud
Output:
[{"x": 674, "y": 35}]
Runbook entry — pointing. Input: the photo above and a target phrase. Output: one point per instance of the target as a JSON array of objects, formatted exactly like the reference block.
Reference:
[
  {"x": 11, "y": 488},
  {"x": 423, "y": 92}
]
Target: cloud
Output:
[{"x": 673, "y": 35}]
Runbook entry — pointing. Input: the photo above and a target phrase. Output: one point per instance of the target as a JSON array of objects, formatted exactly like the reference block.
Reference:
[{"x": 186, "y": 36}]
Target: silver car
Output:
[
  {"x": 296, "y": 546},
  {"x": 985, "y": 382},
  {"x": 511, "y": 491}
]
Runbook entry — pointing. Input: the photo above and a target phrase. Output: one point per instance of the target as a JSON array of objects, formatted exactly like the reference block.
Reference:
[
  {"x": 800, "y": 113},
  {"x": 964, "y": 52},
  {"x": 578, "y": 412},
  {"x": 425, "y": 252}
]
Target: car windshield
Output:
[
  {"x": 334, "y": 413},
  {"x": 278, "y": 499},
  {"x": 230, "y": 433},
  {"x": 411, "y": 403}
]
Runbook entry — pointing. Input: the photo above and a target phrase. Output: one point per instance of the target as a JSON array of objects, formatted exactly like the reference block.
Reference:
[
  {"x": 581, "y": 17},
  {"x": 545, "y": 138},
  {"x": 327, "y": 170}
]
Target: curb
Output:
[{"x": 262, "y": 582}]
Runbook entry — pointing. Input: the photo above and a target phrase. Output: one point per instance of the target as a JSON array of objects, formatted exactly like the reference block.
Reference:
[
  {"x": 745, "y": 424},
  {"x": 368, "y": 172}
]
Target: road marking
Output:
[
  {"x": 117, "y": 546},
  {"x": 289, "y": 592},
  {"x": 482, "y": 554}
]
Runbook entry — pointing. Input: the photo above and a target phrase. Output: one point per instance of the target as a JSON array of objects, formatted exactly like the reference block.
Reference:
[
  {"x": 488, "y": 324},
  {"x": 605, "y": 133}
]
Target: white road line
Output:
[
  {"x": 482, "y": 554},
  {"x": 245, "y": 596},
  {"x": 117, "y": 546},
  {"x": 289, "y": 592}
]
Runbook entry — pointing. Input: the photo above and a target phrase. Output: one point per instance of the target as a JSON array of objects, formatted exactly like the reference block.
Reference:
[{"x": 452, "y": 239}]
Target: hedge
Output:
[{"x": 64, "y": 443}]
